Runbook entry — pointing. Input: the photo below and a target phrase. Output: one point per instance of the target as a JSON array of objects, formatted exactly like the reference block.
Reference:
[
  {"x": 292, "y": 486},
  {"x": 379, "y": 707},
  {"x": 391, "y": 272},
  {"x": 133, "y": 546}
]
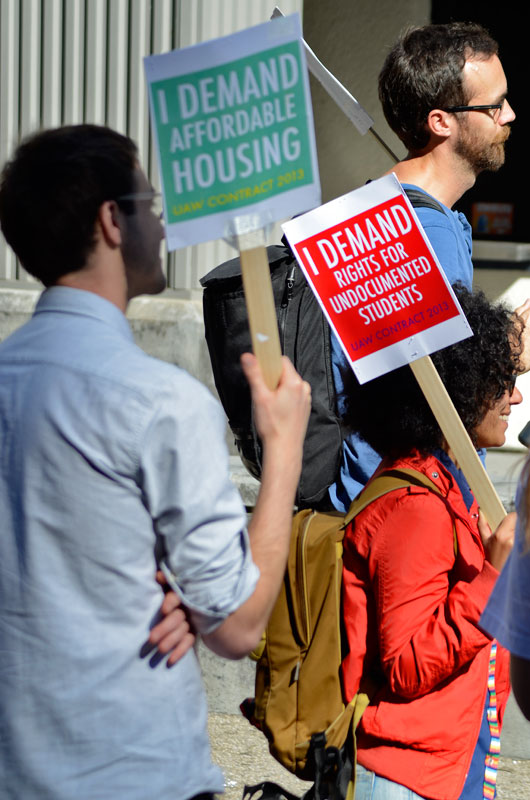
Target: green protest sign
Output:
[{"x": 235, "y": 135}]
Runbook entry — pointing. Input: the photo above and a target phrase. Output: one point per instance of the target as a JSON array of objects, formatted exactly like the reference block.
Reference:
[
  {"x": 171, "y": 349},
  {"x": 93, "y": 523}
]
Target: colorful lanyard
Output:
[{"x": 492, "y": 758}]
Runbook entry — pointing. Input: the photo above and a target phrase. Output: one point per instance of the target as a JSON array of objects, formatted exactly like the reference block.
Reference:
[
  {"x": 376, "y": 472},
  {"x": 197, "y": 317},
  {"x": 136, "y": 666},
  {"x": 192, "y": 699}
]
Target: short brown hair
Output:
[{"x": 424, "y": 71}]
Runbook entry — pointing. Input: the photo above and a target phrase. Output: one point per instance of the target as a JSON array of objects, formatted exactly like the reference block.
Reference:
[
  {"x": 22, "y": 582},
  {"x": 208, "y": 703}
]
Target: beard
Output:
[{"x": 480, "y": 154}]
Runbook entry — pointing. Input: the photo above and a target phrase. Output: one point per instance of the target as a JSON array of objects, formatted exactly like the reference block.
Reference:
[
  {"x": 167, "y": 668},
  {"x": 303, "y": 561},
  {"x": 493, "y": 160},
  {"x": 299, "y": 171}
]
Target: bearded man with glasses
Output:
[{"x": 444, "y": 93}]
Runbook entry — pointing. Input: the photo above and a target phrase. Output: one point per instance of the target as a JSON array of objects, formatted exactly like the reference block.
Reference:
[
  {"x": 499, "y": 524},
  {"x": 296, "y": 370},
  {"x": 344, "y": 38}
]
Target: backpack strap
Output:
[
  {"x": 386, "y": 482},
  {"x": 420, "y": 199},
  {"x": 267, "y": 790}
]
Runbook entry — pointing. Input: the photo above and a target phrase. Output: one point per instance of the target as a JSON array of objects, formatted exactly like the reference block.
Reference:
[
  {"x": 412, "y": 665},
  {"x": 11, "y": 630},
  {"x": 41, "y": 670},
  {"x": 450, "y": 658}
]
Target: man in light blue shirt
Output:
[{"x": 113, "y": 465}]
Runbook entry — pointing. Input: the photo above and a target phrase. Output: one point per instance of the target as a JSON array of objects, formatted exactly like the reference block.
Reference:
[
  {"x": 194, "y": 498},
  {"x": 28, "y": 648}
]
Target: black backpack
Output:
[{"x": 304, "y": 338}]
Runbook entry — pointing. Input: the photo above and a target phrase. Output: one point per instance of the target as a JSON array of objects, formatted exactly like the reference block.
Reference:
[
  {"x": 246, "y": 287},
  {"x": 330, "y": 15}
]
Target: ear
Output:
[
  {"x": 109, "y": 221},
  {"x": 440, "y": 123}
]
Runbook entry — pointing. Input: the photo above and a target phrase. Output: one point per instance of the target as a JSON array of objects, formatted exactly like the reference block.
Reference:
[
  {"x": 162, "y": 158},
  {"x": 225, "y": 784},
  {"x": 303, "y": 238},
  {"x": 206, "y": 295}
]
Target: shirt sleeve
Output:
[
  {"x": 427, "y": 616},
  {"x": 198, "y": 515},
  {"x": 507, "y": 613},
  {"x": 359, "y": 461}
]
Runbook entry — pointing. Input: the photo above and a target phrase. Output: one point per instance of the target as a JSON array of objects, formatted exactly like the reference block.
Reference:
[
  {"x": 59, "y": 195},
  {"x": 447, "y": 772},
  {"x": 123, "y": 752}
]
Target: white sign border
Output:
[
  {"x": 406, "y": 350},
  {"x": 217, "y": 52}
]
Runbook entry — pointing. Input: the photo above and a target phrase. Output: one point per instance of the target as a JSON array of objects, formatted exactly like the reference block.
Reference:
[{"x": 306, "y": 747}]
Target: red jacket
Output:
[{"x": 411, "y": 611}]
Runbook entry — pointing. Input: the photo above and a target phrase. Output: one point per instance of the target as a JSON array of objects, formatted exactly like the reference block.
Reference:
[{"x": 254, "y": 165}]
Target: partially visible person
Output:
[
  {"x": 113, "y": 468},
  {"x": 419, "y": 566},
  {"x": 507, "y": 615},
  {"x": 444, "y": 93}
]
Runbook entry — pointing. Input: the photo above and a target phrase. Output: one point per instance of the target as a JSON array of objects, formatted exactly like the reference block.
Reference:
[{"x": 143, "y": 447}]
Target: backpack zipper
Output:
[{"x": 286, "y": 299}]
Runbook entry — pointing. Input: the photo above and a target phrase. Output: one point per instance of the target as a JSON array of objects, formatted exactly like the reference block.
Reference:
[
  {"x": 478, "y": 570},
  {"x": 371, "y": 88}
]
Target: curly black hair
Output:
[{"x": 391, "y": 413}]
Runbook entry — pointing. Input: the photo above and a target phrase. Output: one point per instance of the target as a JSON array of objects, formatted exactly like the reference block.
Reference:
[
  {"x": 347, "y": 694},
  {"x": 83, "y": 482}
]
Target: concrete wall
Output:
[{"x": 165, "y": 327}]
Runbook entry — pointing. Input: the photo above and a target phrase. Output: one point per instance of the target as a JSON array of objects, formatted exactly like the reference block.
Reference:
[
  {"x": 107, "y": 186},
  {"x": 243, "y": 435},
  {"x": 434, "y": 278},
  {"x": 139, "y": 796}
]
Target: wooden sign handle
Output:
[
  {"x": 262, "y": 317},
  {"x": 458, "y": 440}
]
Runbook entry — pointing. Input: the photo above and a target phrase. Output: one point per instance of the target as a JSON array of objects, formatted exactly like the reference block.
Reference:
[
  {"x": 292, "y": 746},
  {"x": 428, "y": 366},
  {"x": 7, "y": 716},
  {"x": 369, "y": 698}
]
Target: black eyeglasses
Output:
[{"x": 497, "y": 107}]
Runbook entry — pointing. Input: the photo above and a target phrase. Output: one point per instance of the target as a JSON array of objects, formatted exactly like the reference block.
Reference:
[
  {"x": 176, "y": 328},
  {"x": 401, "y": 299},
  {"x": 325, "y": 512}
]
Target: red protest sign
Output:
[{"x": 377, "y": 278}]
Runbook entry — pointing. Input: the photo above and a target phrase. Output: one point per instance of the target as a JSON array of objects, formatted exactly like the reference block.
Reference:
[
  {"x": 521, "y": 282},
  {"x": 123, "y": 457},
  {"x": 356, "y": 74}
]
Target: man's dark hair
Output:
[
  {"x": 51, "y": 190},
  {"x": 423, "y": 71},
  {"x": 391, "y": 412}
]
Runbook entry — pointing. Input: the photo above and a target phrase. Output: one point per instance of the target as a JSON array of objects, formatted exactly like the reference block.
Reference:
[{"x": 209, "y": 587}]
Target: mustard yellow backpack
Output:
[{"x": 299, "y": 703}]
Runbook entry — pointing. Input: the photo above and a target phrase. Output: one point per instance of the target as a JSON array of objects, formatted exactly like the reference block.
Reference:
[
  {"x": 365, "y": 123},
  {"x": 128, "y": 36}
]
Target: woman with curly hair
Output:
[{"x": 419, "y": 565}]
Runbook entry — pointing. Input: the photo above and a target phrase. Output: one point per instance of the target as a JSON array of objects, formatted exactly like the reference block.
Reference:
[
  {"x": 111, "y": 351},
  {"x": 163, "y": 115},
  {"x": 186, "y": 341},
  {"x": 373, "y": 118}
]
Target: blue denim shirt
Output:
[{"x": 107, "y": 455}]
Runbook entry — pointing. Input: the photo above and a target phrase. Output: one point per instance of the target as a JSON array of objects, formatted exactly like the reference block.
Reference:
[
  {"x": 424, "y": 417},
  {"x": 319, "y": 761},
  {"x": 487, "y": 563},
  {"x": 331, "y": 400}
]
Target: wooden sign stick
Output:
[
  {"x": 261, "y": 311},
  {"x": 458, "y": 439}
]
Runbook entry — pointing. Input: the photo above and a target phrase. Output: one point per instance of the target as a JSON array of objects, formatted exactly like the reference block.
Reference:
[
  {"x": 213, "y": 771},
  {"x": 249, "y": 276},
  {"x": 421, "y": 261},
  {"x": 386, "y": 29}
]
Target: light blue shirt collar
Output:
[{"x": 67, "y": 300}]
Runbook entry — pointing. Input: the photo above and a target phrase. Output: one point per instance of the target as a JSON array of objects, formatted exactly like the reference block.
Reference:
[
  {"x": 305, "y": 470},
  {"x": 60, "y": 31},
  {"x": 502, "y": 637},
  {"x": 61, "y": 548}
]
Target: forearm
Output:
[
  {"x": 281, "y": 419},
  {"x": 270, "y": 527}
]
